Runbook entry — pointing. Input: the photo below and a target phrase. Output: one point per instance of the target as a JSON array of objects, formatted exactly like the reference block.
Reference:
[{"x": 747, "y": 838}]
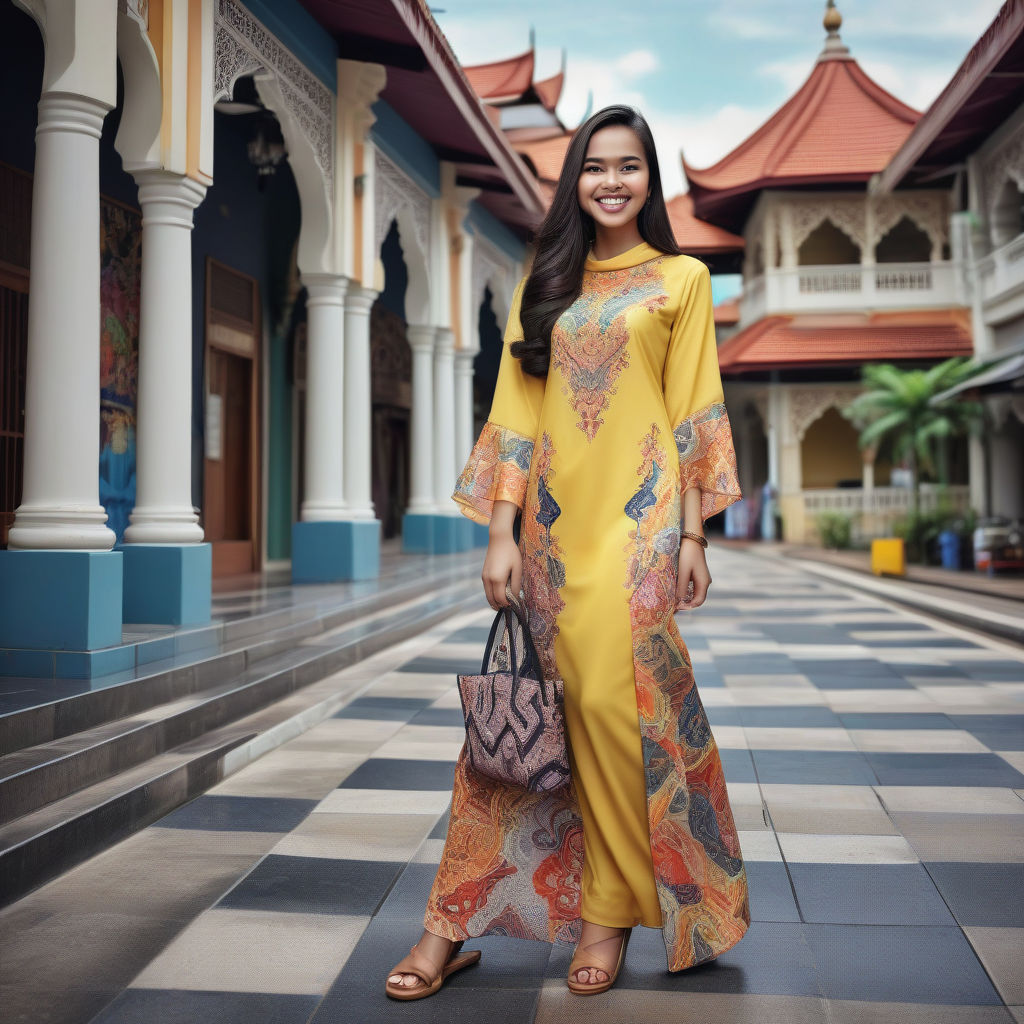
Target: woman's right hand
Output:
[{"x": 503, "y": 562}]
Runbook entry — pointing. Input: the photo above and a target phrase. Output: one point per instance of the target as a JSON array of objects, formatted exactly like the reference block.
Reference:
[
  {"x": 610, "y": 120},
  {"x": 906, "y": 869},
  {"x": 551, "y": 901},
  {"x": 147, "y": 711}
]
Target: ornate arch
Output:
[
  {"x": 1005, "y": 164},
  {"x": 243, "y": 46},
  {"x": 809, "y": 404},
  {"x": 926, "y": 210},
  {"x": 848, "y": 214},
  {"x": 490, "y": 268},
  {"x": 398, "y": 198},
  {"x": 394, "y": 193}
]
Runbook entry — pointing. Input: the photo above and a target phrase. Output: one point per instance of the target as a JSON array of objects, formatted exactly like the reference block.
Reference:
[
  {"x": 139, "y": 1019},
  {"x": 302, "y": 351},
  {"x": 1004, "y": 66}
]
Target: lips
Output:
[{"x": 612, "y": 202}]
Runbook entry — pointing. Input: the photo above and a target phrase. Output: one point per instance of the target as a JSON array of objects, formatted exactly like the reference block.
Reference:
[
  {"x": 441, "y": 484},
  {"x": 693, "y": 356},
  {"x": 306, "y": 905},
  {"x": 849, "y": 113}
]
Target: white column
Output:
[
  {"x": 421, "y": 476},
  {"x": 324, "y": 499},
  {"x": 464, "y": 433},
  {"x": 444, "y": 420},
  {"x": 358, "y": 403},
  {"x": 60, "y": 496},
  {"x": 163, "y": 512}
]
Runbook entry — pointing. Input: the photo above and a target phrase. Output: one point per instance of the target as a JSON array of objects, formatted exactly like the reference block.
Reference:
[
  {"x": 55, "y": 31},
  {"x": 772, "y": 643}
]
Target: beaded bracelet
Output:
[{"x": 699, "y": 538}]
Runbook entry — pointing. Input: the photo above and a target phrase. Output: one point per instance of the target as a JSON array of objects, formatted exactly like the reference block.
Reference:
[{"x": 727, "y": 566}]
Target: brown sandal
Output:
[
  {"x": 592, "y": 988},
  {"x": 416, "y": 963}
]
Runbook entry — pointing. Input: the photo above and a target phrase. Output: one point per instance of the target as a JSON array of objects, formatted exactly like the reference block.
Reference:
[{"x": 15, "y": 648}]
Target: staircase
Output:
[{"x": 80, "y": 772}]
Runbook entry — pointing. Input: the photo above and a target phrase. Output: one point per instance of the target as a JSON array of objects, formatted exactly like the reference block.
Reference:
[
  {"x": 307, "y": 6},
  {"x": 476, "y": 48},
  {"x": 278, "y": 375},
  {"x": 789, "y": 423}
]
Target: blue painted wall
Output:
[
  {"x": 483, "y": 222},
  {"x": 399, "y": 141}
]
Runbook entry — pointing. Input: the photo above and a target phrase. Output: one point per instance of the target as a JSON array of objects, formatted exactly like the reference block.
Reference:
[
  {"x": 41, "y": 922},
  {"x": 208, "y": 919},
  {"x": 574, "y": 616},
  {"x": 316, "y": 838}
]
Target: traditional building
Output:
[
  {"x": 833, "y": 277},
  {"x": 970, "y": 143},
  {"x": 304, "y": 215}
]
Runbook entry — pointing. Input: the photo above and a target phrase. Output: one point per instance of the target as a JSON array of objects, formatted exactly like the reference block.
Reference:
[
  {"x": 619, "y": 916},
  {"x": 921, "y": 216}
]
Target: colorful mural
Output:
[{"x": 120, "y": 271}]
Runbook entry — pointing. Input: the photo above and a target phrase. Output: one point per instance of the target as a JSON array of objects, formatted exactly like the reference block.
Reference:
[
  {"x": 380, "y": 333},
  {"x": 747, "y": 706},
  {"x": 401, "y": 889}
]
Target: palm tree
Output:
[{"x": 899, "y": 406}]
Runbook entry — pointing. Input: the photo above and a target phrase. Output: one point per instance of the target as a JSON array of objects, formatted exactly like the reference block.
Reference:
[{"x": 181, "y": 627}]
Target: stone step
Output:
[
  {"x": 68, "y": 799},
  {"x": 206, "y": 657}
]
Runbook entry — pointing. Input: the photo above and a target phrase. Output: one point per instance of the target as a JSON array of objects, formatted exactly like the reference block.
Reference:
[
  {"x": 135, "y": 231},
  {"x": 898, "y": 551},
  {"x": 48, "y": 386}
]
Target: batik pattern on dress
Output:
[
  {"x": 514, "y": 860},
  {"x": 698, "y": 870},
  {"x": 589, "y": 343},
  {"x": 497, "y": 470},
  {"x": 707, "y": 458}
]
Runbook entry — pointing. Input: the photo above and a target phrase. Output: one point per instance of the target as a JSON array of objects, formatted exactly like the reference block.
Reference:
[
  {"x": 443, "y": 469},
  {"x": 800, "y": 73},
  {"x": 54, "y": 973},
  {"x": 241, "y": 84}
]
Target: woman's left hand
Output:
[{"x": 694, "y": 577}]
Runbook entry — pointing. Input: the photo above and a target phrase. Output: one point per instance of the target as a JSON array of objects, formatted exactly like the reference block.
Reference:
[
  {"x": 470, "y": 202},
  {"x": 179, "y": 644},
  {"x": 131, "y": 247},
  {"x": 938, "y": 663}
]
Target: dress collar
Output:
[{"x": 630, "y": 258}]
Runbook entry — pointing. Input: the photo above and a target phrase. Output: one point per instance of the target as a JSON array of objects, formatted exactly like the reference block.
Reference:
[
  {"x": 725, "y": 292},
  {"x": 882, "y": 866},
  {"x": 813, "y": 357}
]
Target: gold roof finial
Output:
[{"x": 832, "y": 21}]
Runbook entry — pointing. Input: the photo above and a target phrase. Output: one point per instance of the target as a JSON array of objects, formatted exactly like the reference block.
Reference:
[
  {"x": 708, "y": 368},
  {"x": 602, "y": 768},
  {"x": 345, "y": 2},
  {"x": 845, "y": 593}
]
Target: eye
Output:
[
  {"x": 631, "y": 167},
  {"x": 591, "y": 167}
]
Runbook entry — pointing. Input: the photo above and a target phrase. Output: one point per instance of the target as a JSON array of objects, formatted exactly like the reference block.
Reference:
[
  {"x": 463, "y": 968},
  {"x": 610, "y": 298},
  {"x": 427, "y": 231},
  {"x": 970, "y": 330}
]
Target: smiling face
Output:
[{"x": 615, "y": 180}]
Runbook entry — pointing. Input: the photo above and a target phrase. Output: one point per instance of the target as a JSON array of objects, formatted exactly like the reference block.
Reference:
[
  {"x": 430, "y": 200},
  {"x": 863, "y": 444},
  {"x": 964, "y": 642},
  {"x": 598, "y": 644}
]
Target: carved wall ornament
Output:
[
  {"x": 928, "y": 210},
  {"x": 848, "y": 213},
  {"x": 809, "y": 404},
  {"x": 243, "y": 46},
  {"x": 395, "y": 192},
  {"x": 137, "y": 9},
  {"x": 490, "y": 268},
  {"x": 1006, "y": 163}
]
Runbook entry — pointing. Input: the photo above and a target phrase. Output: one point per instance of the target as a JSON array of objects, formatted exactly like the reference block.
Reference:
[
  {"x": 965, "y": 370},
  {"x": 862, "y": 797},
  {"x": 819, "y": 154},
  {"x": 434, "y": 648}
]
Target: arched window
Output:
[
  {"x": 827, "y": 245},
  {"x": 1007, "y": 214},
  {"x": 754, "y": 264},
  {"x": 905, "y": 242}
]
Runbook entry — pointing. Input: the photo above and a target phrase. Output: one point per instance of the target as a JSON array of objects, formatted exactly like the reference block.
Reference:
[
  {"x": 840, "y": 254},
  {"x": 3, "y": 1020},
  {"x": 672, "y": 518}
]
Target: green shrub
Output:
[
  {"x": 835, "y": 530},
  {"x": 920, "y": 532}
]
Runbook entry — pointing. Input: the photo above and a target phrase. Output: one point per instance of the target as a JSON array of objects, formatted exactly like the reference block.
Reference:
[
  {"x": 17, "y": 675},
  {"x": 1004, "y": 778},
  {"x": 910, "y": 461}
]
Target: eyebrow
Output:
[{"x": 601, "y": 160}]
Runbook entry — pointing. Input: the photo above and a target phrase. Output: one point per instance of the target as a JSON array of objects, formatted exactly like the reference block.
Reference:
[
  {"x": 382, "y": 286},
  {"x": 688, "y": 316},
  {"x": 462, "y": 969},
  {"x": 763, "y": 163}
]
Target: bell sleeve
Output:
[
  {"x": 695, "y": 400},
  {"x": 498, "y": 467}
]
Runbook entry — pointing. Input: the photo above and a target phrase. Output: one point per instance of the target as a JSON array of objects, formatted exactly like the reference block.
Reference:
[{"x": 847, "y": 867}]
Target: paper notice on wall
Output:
[{"x": 214, "y": 433}]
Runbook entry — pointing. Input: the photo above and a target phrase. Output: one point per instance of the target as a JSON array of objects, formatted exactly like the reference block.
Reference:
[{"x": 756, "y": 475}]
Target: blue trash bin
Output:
[{"x": 949, "y": 549}]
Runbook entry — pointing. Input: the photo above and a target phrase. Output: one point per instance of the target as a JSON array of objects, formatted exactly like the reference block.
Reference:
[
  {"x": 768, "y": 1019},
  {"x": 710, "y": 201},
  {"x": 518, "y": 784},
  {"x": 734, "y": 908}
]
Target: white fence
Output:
[
  {"x": 850, "y": 288},
  {"x": 874, "y": 512}
]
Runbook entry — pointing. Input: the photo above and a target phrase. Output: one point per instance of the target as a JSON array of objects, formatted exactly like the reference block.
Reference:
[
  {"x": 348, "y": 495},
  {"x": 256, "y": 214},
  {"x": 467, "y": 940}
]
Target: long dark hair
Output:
[{"x": 567, "y": 233}]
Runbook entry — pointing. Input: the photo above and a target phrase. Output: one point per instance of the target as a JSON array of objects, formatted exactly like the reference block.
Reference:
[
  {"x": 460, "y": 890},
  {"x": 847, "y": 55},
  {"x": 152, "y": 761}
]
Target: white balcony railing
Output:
[
  {"x": 850, "y": 289},
  {"x": 875, "y": 511},
  {"x": 1001, "y": 281}
]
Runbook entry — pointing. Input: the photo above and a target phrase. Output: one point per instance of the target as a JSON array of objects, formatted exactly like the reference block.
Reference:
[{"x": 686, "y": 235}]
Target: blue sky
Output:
[{"x": 707, "y": 73}]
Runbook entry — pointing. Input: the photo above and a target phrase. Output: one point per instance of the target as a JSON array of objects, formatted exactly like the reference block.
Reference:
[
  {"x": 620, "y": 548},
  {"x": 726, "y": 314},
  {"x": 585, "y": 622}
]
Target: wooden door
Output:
[{"x": 231, "y": 479}]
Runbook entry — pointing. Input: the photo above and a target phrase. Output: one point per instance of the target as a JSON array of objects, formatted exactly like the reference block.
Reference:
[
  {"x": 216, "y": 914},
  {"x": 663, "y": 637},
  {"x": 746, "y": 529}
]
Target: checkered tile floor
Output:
[{"x": 874, "y": 763}]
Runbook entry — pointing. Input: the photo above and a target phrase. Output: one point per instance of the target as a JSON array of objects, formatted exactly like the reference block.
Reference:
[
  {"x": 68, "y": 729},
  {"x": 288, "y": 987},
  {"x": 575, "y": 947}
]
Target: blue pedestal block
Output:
[
  {"x": 465, "y": 534},
  {"x": 168, "y": 584},
  {"x": 447, "y": 534},
  {"x": 418, "y": 533},
  {"x": 60, "y": 600},
  {"x": 336, "y": 551},
  {"x": 480, "y": 534}
]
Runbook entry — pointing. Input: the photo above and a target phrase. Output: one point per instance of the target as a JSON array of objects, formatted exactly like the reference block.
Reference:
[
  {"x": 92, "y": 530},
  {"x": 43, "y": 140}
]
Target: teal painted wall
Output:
[
  {"x": 300, "y": 32},
  {"x": 399, "y": 141}
]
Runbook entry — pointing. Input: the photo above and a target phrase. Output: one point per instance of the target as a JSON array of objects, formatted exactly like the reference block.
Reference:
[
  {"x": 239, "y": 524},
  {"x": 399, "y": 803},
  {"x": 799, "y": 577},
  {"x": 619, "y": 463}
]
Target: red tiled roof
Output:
[
  {"x": 549, "y": 91},
  {"x": 502, "y": 79},
  {"x": 696, "y": 236},
  {"x": 547, "y": 155},
  {"x": 780, "y": 342},
  {"x": 727, "y": 313},
  {"x": 985, "y": 90},
  {"x": 840, "y": 126}
]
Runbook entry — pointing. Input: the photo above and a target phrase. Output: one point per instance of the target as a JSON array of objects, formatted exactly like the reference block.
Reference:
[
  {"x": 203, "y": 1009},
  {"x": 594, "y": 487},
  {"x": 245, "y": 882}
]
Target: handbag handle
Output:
[{"x": 515, "y": 612}]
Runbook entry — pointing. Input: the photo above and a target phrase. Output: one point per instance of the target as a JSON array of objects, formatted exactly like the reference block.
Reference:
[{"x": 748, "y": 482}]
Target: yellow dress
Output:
[{"x": 597, "y": 456}]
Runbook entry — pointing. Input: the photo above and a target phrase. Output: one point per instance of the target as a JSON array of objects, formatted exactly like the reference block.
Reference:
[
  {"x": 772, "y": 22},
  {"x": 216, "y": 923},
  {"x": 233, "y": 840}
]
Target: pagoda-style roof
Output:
[
  {"x": 839, "y": 128},
  {"x": 502, "y": 79},
  {"x": 846, "y": 339},
  {"x": 985, "y": 90},
  {"x": 696, "y": 236},
  {"x": 549, "y": 90},
  {"x": 546, "y": 156}
]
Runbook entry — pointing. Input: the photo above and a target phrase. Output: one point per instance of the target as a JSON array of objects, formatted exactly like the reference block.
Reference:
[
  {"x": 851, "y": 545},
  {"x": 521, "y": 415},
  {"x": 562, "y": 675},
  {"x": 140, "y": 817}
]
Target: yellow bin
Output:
[{"x": 888, "y": 557}]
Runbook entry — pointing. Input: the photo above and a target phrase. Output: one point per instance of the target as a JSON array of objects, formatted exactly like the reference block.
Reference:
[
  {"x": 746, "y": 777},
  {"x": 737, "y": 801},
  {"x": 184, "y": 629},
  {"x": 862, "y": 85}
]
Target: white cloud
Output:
[{"x": 636, "y": 64}]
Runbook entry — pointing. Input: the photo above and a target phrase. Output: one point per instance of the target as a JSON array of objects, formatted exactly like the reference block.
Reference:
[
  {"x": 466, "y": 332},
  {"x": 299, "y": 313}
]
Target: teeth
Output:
[{"x": 612, "y": 201}]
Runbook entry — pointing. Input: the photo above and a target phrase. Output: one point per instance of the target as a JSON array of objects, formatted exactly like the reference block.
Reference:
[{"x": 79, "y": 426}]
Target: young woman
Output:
[{"x": 608, "y": 430}]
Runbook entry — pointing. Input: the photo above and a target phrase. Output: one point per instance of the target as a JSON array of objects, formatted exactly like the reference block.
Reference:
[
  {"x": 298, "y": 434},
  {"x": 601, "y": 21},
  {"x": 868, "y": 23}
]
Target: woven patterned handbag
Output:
[{"x": 515, "y": 727}]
